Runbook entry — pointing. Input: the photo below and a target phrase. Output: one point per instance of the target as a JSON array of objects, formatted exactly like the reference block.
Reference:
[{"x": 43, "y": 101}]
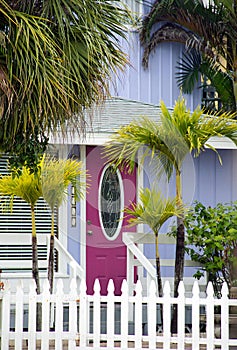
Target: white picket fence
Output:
[{"x": 80, "y": 321}]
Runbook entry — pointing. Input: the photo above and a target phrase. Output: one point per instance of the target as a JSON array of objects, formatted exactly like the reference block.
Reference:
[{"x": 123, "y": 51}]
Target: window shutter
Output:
[{"x": 18, "y": 222}]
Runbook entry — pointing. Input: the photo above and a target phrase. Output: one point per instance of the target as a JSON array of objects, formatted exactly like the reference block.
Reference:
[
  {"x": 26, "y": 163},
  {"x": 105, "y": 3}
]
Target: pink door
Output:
[{"x": 109, "y": 193}]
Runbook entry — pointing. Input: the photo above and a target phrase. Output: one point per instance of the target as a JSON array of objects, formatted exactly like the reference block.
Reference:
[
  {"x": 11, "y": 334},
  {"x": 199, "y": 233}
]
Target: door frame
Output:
[{"x": 139, "y": 184}]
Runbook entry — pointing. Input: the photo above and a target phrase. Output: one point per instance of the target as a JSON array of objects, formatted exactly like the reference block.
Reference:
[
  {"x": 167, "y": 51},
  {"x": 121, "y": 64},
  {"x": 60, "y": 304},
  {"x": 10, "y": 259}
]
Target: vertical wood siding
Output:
[
  {"x": 204, "y": 179},
  {"x": 158, "y": 81}
]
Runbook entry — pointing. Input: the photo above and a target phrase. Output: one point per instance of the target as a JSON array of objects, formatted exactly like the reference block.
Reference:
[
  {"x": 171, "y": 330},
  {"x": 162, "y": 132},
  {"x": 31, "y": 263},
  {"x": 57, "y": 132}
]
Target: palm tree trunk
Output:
[
  {"x": 158, "y": 272},
  {"x": 51, "y": 256},
  {"x": 158, "y": 276},
  {"x": 235, "y": 88},
  {"x": 35, "y": 268},
  {"x": 180, "y": 249}
]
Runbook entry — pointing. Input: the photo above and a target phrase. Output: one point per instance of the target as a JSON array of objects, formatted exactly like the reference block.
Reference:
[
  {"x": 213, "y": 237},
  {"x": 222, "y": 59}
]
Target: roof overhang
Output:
[{"x": 104, "y": 120}]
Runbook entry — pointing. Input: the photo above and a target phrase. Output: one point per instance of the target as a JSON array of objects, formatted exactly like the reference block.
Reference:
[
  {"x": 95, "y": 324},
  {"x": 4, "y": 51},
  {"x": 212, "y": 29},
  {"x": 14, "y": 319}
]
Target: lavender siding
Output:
[
  {"x": 204, "y": 179},
  {"x": 158, "y": 81}
]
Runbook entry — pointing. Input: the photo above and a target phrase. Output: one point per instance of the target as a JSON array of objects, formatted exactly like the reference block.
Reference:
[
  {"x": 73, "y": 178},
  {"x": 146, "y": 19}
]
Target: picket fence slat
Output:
[
  {"x": 166, "y": 315},
  {"x": 124, "y": 315},
  {"x": 5, "y": 319},
  {"x": 32, "y": 316},
  {"x": 19, "y": 315},
  {"x": 138, "y": 316},
  {"x": 77, "y": 321},
  {"x": 73, "y": 321},
  {"x": 45, "y": 312},
  {"x": 58, "y": 315},
  {"x": 195, "y": 316},
  {"x": 110, "y": 315},
  {"x": 224, "y": 317},
  {"x": 210, "y": 317},
  {"x": 96, "y": 314},
  {"x": 181, "y": 315},
  {"x": 84, "y": 315},
  {"x": 151, "y": 306}
]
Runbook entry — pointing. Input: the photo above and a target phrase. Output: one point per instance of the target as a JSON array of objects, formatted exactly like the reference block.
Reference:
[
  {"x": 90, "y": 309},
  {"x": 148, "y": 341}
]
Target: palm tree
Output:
[
  {"x": 26, "y": 186},
  {"x": 167, "y": 142},
  {"x": 209, "y": 32},
  {"x": 153, "y": 210},
  {"x": 56, "y": 59},
  {"x": 56, "y": 176}
]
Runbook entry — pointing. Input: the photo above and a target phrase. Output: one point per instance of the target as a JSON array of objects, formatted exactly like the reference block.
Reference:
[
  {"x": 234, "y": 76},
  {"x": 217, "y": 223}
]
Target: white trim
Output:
[
  {"x": 83, "y": 215},
  {"x": 221, "y": 143},
  {"x": 139, "y": 185},
  {"x": 92, "y": 139},
  {"x": 62, "y": 218},
  {"x": 121, "y": 203}
]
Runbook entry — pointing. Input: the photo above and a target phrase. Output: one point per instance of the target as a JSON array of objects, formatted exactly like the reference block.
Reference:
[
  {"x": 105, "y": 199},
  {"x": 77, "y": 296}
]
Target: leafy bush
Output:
[{"x": 211, "y": 237}]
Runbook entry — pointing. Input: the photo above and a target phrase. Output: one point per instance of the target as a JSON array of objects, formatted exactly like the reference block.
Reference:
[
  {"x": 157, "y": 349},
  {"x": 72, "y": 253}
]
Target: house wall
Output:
[
  {"x": 204, "y": 179},
  {"x": 158, "y": 81}
]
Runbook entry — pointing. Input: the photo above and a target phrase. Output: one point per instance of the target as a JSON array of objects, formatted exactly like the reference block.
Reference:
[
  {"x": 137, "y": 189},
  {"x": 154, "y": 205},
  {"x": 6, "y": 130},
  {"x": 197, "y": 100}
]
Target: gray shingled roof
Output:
[
  {"x": 116, "y": 112},
  {"x": 119, "y": 111}
]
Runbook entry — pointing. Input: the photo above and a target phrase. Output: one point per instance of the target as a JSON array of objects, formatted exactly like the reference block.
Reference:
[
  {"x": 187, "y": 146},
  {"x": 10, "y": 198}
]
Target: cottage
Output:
[{"x": 90, "y": 233}]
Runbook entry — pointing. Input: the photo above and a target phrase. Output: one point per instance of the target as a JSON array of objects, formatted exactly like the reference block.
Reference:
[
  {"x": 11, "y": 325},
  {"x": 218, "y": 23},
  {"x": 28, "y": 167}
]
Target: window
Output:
[
  {"x": 111, "y": 202},
  {"x": 73, "y": 208}
]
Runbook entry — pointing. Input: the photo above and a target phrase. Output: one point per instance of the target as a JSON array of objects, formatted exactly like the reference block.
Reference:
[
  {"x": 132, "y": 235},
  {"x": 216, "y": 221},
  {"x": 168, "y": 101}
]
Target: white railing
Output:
[
  {"x": 16, "y": 263},
  {"x": 75, "y": 270},
  {"x": 82, "y": 321},
  {"x": 136, "y": 259}
]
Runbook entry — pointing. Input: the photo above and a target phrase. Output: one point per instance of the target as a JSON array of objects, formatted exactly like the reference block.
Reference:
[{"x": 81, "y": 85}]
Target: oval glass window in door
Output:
[{"x": 111, "y": 202}]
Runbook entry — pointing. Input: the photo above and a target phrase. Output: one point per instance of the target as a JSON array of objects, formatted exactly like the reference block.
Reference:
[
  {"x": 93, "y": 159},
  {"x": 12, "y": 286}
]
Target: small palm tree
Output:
[
  {"x": 26, "y": 186},
  {"x": 56, "y": 176},
  {"x": 153, "y": 210}
]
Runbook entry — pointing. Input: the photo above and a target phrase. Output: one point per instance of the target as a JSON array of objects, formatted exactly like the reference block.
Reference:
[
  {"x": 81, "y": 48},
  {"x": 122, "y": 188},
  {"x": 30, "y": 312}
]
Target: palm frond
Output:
[
  {"x": 152, "y": 209},
  {"x": 168, "y": 32},
  {"x": 58, "y": 58},
  {"x": 221, "y": 80},
  {"x": 188, "y": 70},
  {"x": 122, "y": 149},
  {"x": 26, "y": 186},
  {"x": 57, "y": 175}
]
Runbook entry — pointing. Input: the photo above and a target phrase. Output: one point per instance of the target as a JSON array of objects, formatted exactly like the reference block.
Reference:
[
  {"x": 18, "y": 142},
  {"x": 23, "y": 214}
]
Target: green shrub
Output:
[{"x": 211, "y": 237}]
